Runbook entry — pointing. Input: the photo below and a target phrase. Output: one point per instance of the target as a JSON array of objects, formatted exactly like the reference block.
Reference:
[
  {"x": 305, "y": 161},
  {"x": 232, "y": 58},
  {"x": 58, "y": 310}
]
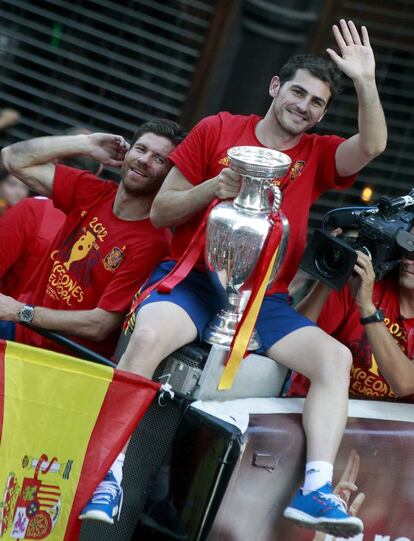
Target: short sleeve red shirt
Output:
[
  {"x": 340, "y": 318},
  {"x": 97, "y": 259},
  {"x": 203, "y": 154},
  {"x": 26, "y": 232}
]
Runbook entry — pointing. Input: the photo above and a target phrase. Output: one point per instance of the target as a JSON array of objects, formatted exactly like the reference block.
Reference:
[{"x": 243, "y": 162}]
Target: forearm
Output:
[
  {"x": 371, "y": 119},
  {"x": 311, "y": 305},
  {"x": 395, "y": 366},
  {"x": 94, "y": 324},
  {"x": 174, "y": 207},
  {"x": 33, "y": 161},
  {"x": 43, "y": 150}
]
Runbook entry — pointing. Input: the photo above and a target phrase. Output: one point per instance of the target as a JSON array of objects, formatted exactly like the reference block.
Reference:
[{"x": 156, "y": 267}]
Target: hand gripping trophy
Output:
[{"x": 237, "y": 232}]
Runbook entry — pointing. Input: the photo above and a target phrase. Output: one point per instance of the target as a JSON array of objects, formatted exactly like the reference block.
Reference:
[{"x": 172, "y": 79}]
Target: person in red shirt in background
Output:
[
  {"x": 106, "y": 247},
  {"x": 376, "y": 321},
  {"x": 12, "y": 190}
]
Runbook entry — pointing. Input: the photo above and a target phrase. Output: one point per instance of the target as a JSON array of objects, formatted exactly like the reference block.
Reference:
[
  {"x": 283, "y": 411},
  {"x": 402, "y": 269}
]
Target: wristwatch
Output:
[
  {"x": 377, "y": 316},
  {"x": 26, "y": 314}
]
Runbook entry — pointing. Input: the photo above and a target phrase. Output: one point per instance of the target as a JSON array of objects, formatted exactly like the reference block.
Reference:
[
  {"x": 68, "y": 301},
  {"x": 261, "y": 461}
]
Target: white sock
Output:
[
  {"x": 317, "y": 474},
  {"x": 117, "y": 466}
]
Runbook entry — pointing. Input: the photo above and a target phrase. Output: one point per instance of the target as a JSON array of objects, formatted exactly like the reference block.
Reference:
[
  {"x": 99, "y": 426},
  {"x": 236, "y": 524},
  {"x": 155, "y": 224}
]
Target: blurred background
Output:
[{"x": 110, "y": 65}]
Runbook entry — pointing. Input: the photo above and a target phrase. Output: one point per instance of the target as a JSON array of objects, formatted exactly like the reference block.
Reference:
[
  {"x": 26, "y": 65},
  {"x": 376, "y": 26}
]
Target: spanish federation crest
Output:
[
  {"x": 296, "y": 169},
  {"x": 112, "y": 260}
]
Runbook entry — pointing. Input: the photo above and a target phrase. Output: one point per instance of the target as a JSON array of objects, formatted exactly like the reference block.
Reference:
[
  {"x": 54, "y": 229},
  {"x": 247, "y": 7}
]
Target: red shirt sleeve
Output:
[
  {"x": 335, "y": 310},
  {"x": 327, "y": 173},
  {"x": 193, "y": 155}
]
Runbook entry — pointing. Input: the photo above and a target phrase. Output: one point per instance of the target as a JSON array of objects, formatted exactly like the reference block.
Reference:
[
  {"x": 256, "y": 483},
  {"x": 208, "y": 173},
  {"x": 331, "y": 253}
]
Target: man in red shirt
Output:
[
  {"x": 107, "y": 245},
  {"x": 376, "y": 321},
  {"x": 301, "y": 94}
]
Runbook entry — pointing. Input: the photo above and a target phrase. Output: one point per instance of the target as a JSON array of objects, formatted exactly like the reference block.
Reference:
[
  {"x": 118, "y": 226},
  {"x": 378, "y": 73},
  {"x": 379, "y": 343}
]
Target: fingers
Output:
[
  {"x": 120, "y": 148},
  {"x": 228, "y": 184},
  {"x": 364, "y": 266},
  {"x": 338, "y": 38},
  {"x": 336, "y": 232},
  {"x": 346, "y": 34},
  {"x": 354, "y": 33},
  {"x": 356, "y": 504},
  {"x": 365, "y": 36},
  {"x": 351, "y": 468}
]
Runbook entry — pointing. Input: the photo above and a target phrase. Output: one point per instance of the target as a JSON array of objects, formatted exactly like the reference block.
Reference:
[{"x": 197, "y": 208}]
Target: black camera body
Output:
[{"x": 381, "y": 231}]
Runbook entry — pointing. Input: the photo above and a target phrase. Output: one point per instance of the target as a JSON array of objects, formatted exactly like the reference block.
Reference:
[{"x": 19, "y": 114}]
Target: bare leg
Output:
[
  {"x": 160, "y": 329},
  {"x": 327, "y": 364}
]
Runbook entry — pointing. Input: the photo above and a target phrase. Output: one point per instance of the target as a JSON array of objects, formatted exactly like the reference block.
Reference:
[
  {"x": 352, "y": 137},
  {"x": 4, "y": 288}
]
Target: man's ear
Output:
[{"x": 274, "y": 86}]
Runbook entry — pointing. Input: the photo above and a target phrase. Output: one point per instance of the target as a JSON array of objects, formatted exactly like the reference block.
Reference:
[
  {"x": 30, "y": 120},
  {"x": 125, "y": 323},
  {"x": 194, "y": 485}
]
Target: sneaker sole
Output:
[
  {"x": 337, "y": 527},
  {"x": 96, "y": 515}
]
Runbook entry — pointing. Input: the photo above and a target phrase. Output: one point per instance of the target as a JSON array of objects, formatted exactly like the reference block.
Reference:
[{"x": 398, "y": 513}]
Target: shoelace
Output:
[
  {"x": 334, "y": 500},
  {"x": 107, "y": 491}
]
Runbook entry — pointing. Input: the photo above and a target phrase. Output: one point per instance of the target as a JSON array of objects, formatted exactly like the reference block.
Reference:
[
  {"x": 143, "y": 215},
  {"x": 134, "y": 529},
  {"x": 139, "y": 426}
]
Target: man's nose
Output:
[
  {"x": 144, "y": 158},
  {"x": 303, "y": 104}
]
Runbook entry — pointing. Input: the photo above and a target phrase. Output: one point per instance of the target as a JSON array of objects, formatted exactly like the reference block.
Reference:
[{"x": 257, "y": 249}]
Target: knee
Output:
[
  {"x": 145, "y": 338},
  {"x": 334, "y": 364}
]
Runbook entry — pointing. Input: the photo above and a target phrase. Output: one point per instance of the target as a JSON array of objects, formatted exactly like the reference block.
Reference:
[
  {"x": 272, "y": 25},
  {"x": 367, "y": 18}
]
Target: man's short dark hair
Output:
[
  {"x": 162, "y": 127},
  {"x": 319, "y": 67}
]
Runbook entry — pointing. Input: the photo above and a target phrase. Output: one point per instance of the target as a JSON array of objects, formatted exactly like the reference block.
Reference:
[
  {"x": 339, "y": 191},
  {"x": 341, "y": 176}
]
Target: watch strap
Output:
[{"x": 376, "y": 317}]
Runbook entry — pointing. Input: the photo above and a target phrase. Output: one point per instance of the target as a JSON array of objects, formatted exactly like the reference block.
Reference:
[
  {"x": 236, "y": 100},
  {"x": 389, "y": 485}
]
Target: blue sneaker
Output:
[
  {"x": 106, "y": 501},
  {"x": 323, "y": 511}
]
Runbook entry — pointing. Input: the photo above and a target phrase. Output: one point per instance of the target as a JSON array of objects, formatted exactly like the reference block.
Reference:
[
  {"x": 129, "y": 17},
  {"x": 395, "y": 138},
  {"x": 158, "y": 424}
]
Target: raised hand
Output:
[
  {"x": 107, "y": 148},
  {"x": 356, "y": 58}
]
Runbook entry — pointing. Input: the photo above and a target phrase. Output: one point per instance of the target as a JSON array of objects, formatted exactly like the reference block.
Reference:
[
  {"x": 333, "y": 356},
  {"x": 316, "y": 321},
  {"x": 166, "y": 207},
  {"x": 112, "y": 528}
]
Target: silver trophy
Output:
[{"x": 236, "y": 232}]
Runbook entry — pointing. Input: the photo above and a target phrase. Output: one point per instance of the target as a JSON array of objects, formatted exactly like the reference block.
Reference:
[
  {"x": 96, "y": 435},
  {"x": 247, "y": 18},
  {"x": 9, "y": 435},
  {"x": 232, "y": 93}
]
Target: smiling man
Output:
[
  {"x": 107, "y": 245},
  {"x": 300, "y": 96}
]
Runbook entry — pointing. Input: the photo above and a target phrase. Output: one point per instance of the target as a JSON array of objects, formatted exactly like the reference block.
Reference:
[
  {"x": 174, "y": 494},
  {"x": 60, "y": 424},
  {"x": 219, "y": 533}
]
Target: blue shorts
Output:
[{"x": 198, "y": 297}]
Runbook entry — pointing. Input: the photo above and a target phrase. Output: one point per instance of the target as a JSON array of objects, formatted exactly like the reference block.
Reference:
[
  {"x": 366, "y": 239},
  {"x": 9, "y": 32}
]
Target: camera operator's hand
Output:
[{"x": 361, "y": 284}]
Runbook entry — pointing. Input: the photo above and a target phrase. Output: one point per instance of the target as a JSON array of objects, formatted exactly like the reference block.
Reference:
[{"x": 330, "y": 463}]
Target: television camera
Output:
[{"x": 381, "y": 231}]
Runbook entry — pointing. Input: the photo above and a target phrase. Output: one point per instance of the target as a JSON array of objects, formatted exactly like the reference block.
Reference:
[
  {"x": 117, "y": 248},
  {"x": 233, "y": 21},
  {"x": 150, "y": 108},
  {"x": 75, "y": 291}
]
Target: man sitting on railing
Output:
[{"x": 300, "y": 97}]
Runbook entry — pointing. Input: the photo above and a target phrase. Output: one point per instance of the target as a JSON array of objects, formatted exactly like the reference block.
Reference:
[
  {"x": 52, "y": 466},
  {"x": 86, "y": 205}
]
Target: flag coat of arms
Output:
[{"x": 63, "y": 421}]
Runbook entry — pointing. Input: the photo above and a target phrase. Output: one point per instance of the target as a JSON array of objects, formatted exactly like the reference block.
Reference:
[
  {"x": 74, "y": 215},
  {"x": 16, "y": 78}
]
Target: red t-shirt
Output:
[
  {"x": 340, "y": 318},
  {"x": 26, "y": 232},
  {"x": 203, "y": 154},
  {"x": 97, "y": 259}
]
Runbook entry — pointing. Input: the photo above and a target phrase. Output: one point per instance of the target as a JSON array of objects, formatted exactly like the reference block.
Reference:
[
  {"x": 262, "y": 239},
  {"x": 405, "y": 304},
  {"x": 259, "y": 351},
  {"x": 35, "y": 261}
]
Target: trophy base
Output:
[{"x": 221, "y": 330}]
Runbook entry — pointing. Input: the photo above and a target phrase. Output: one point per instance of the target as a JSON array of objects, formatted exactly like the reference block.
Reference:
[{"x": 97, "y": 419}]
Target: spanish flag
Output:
[{"x": 63, "y": 421}]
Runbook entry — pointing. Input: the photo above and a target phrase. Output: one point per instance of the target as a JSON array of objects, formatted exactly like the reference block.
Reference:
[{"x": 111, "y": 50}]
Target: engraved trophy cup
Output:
[{"x": 236, "y": 232}]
